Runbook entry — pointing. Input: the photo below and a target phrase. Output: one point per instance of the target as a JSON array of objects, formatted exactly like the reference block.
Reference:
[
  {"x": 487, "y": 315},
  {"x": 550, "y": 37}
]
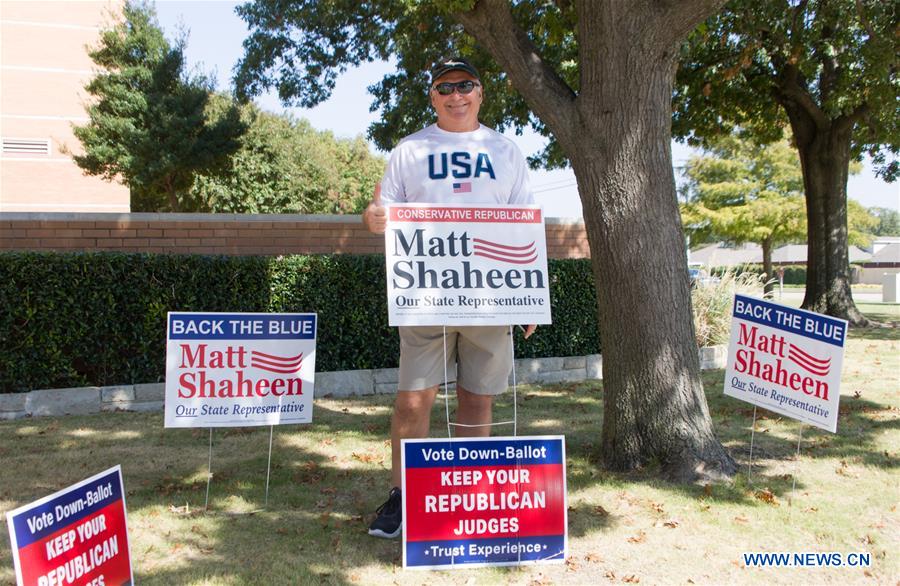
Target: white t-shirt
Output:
[{"x": 437, "y": 166}]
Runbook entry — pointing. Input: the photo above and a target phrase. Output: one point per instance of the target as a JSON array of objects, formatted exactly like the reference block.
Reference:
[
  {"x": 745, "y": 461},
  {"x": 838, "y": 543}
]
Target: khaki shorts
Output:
[{"x": 482, "y": 355}]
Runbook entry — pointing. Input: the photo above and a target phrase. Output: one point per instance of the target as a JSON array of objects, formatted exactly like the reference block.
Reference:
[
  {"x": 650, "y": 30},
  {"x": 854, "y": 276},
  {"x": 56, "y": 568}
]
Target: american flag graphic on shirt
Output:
[{"x": 462, "y": 187}]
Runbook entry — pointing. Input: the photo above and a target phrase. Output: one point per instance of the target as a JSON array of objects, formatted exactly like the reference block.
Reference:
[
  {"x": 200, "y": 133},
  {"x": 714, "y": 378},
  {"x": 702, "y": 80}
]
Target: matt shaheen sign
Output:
[
  {"x": 239, "y": 369},
  {"x": 786, "y": 360},
  {"x": 466, "y": 265}
]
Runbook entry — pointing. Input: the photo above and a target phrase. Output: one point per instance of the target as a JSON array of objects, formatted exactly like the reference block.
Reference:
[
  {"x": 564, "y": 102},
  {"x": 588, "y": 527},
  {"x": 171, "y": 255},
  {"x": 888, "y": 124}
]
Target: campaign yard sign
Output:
[
  {"x": 239, "y": 369},
  {"x": 786, "y": 360},
  {"x": 454, "y": 265},
  {"x": 484, "y": 501},
  {"x": 78, "y": 535}
]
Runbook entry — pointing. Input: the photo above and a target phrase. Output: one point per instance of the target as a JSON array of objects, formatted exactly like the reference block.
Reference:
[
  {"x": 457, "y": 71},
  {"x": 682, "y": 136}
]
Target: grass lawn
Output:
[{"x": 328, "y": 477}]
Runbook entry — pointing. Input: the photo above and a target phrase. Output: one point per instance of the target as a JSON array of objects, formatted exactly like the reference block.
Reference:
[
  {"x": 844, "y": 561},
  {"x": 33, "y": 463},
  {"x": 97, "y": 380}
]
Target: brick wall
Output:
[{"x": 224, "y": 234}]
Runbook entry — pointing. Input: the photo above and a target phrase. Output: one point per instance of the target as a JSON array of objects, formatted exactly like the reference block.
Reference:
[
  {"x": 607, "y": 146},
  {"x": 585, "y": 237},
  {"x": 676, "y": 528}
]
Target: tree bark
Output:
[
  {"x": 823, "y": 144},
  {"x": 825, "y": 160},
  {"x": 617, "y": 134}
]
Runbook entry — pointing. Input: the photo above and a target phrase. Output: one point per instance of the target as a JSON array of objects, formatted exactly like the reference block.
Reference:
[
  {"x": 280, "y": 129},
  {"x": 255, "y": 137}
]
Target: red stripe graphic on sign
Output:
[
  {"x": 808, "y": 362},
  {"x": 504, "y": 252},
  {"x": 279, "y": 364}
]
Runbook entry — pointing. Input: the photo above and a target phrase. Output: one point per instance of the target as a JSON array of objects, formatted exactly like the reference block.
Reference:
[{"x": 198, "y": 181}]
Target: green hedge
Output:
[{"x": 79, "y": 319}]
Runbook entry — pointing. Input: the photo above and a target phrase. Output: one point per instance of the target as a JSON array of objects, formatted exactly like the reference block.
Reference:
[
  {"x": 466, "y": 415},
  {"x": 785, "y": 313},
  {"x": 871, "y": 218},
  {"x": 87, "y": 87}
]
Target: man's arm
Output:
[{"x": 375, "y": 216}]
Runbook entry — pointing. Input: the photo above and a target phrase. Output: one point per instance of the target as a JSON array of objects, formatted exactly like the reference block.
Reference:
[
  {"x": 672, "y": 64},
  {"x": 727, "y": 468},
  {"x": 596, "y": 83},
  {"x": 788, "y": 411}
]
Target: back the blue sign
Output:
[{"x": 242, "y": 326}]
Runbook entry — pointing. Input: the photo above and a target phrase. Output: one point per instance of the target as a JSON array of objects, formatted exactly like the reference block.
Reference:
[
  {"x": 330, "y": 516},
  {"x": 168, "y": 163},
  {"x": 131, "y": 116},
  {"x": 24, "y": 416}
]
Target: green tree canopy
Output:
[
  {"x": 148, "y": 123},
  {"x": 827, "y": 68},
  {"x": 887, "y": 221},
  {"x": 285, "y": 166},
  {"x": 741, "y": 191}
]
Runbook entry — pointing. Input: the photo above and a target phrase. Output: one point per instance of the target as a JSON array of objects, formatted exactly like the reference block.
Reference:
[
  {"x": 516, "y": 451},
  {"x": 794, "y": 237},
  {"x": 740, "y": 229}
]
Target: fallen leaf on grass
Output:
[
  {"x": 742, "y": 519},
  {"x": 867, "y": 540},
  {"x": 593, "y": 558},
  {"x": 185, "y": 510},
  {"x": 631, "y": 579},
  {"x": 328, "y": 490},
  {"x": 811, "y": 510},
  {"x": 327, "y": 441},
  {"x": 766, "y": 496},
  {"x": 610, "y": 575},
  {"x": 600, "y": 511},
  {"x": 671, "y": 524},
  {"x": 196, "y": 529},
  {"x": 657, "y": 507},
  {"x": 641, "y": 537},
  {"x": 368, "y": 458},
  {"x": 571, "y": 564}
]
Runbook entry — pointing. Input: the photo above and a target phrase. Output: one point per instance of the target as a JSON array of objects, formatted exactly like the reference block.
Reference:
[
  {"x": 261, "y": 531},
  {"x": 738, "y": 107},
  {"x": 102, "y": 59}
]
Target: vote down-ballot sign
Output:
[
  {"x": 484, "y": 501},
  {"x": 239, "y": 369},
  {"x": 78, "y": 535},
  {"x": 786, "y": 360}
]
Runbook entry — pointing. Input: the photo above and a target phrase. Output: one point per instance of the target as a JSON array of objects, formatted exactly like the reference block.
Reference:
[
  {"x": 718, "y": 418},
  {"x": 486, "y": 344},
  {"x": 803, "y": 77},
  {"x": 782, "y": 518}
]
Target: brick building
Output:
[{"x": 44, "y": 67}]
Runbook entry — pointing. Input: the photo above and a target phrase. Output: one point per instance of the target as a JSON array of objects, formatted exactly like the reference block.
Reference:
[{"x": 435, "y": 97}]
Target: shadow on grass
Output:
[
  {"x": 887, "y": 331},
  {"x": 328, "y": 477}
]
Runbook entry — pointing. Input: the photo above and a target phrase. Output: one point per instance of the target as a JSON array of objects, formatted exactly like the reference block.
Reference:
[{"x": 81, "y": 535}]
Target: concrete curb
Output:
[{"x": 345, "y": 383}]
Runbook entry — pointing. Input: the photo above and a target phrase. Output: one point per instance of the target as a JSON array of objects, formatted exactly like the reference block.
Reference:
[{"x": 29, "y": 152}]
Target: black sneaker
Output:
[{"x": 389, "y": 521}]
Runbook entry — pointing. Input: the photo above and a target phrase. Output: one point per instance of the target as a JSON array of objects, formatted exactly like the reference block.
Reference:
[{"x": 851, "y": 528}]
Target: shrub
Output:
[
  {"x": 77, "y": 319},
  {"x": 712, "y": 303},
  {"x": 793, "y": 274}
]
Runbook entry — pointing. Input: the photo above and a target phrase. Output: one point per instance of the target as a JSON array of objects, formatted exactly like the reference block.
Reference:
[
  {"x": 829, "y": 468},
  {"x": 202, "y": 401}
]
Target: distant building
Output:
[
  {"x": 885, "y": 260},
  {"x": 44, "y": 67},
  {"x": 724, "y": 255}
]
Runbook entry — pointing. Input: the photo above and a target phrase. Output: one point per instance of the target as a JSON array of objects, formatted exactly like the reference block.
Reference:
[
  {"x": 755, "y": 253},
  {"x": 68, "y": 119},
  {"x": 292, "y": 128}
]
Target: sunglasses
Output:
[{"x": 463, "y": 87}]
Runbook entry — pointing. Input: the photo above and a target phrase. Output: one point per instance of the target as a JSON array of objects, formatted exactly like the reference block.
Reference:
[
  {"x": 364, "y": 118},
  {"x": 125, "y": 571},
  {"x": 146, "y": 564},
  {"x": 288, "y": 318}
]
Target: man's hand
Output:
[
  {"x": 528, "y": 330},
  {"x": 375, "y": 215}
]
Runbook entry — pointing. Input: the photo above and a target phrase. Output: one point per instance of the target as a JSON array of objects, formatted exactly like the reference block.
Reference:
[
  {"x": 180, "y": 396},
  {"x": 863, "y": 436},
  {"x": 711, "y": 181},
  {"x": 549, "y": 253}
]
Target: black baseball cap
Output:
[{"x": 454, "y": 64}]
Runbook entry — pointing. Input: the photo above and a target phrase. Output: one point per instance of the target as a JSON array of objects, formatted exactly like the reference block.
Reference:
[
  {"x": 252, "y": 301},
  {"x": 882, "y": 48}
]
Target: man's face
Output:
[{"x": 457, "y": 112}]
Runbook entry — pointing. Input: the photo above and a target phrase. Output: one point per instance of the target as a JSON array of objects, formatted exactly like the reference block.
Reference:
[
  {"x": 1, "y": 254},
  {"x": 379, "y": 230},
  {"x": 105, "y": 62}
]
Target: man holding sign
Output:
[{"x": 455, "y": 161}]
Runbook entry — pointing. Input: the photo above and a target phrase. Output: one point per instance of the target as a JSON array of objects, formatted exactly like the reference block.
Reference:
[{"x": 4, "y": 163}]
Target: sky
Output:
[{"x": 214, "y": 45}]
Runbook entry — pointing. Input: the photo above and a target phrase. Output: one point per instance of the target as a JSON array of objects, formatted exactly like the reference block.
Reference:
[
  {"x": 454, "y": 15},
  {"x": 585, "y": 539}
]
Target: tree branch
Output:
[
  {"x": 790, "y": 88},
  {"x": 861, "y": 10},
  {"x": 548, "y": 95},
  {"x": 675, "y": 19}
]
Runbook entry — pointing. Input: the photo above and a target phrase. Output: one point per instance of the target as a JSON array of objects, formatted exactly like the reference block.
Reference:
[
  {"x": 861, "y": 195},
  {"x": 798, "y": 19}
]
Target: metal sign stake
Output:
[
  {"x": 269, "y": 465},
  {"x": 208, "y": 471}
]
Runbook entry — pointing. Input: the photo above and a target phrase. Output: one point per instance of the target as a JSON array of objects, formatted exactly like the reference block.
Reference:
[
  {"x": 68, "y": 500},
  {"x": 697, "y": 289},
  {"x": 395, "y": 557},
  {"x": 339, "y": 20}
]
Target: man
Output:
[{"x": 456, "y": 160}]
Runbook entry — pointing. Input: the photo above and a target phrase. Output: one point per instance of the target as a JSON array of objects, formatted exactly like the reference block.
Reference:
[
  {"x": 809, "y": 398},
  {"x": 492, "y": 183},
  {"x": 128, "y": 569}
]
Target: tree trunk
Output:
[
  {"x": 825, "y": 160},
  {"x": 767, "y": 267},
  {"x": 617, "y": 135},
  {"x": 654, "y": 407}
]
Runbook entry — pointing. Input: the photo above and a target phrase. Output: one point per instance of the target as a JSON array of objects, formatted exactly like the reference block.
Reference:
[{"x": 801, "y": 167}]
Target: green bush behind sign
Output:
[{"x": 99, "y": 318}]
